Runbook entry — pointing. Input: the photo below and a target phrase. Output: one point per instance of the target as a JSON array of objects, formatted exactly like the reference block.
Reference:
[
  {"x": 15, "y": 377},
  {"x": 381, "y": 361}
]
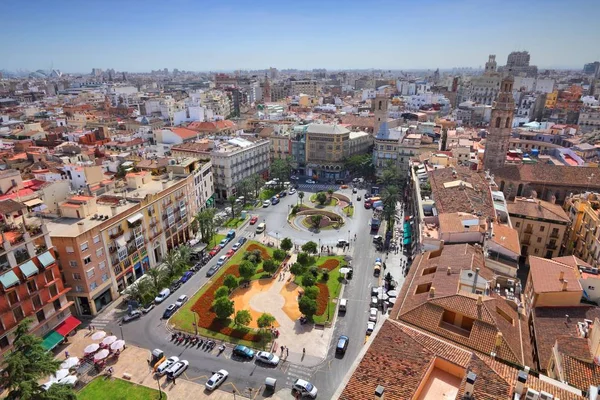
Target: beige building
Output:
[
  {"x": 583, "y": 238},
  {"x": 305, "y": 86},
  {"x": 589, "y": 119},
  {"x": 542, "y": 226}
]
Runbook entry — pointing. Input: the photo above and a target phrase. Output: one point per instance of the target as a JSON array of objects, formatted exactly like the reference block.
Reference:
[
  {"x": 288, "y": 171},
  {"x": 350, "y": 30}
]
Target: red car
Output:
[
  {"x": 230, "y": 253},
  {"x": 253, "y": 220},
  {"x": 367, "y": 204},
  {"x": 214, "y": 251}
]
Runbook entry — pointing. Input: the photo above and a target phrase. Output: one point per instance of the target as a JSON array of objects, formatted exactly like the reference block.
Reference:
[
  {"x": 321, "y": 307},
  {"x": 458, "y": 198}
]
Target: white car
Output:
[
  {"x": 373, "y": 315},
  {"x": 177, "y": 368},
  {"x": 370, "y": 327},
  {"x": 236, "y": 246},
  {"x": 310, "y": 181},
  {"x": 180, "y": 300},
  {"x": 216, "y": 379},
  {"x": 267, "y": 358},
  {"x": 162, "y": 296},
  {"x": 305, "y": 388},
  {"x": 292, "y": 191},
  {"x": 165, "y": 365},
  {"x": 221, "y": 260},
  {"x": 266, "y": 203}
]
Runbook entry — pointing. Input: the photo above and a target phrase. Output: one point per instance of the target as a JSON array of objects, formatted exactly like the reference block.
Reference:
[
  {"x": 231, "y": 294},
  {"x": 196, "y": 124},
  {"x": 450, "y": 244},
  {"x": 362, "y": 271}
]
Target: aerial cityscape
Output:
[{"x": 286, "y": 212}]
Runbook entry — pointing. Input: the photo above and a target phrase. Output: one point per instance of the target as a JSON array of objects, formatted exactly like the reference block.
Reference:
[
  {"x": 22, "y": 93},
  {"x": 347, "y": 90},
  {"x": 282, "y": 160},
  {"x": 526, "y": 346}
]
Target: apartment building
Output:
[
  {"x": 583, "y": 237},
  {"x": 304, "y": 86},
  {"x": 106, "y": 243},
  {"x": 30, "y": 279},
  {"x": 589, "y": 119}
]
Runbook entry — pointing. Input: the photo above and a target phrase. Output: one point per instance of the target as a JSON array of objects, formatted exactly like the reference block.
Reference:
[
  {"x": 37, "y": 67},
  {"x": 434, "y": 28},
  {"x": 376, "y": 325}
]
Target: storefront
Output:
[{"x": 102, "y": 300}]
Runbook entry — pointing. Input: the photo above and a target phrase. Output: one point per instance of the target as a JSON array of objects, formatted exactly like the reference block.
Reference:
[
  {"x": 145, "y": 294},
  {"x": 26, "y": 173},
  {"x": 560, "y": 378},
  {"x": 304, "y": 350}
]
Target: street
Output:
[{"x": 247, "y": 376}]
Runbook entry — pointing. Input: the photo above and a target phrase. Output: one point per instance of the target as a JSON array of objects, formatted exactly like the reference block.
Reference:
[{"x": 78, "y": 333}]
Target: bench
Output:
[{"x": 127, "y": 375}]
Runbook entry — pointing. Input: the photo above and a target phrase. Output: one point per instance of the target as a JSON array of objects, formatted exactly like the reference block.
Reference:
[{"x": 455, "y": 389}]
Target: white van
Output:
[
  {"x": 261, "y": 227},
  {"x": 343, "y": 305},
  {"x": 162, "y": 296}
]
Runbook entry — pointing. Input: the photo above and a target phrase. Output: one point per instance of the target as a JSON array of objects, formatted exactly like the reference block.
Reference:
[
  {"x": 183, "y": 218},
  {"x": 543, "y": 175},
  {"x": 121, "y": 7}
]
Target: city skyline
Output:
[{"x": 386, "y": 35}]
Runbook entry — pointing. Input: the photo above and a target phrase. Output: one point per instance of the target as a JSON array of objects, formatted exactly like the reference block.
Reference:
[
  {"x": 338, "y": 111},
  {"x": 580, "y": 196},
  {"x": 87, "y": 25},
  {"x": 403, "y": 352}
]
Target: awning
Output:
[
  {"x": 406, "y": 241},
  {"x": 32, "y": 203},
  {"x": 134, "y": 218},
  {"x": 121, "y": 241},
  {"x": 29, "y": 269},
  {"x": 9, "y": 279},
  {"x": 67, "y": 326},
  {"x": 51, "y": 340},
  {"x": 46, "y": 259}
]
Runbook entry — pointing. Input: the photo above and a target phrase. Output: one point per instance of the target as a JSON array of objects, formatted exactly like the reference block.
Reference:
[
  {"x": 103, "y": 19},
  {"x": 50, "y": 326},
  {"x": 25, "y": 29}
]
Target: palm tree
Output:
[
  {"x": 205, "y": 220},
  {"x": 157, "y": 279},
  {"x": 231, "y": 200},
  {"x": 390, "y": 197},
  {"x": 185, "y": 254},
  {"x": 300, "y": 196},
  {"x": 172, "y": 262}
]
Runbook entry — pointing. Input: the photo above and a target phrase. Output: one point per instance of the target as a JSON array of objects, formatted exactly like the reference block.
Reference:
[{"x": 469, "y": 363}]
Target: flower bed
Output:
[
  {"x": 330, "y": 264},
  {"x": 322, "y": 298},
  {"x": 263, "y": 252}
]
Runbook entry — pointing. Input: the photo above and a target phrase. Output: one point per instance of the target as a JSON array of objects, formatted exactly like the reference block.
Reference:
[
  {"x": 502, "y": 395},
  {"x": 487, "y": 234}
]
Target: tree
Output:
[
  {"x": 312, "y": 292},
  {"x": 247, "y": 269},
  {"x": 307, "y": 306},
  {"x": 253, "y": 256},
  {"x": 269, "y": 266},
  {"x": 157, "y": 278},
  {"x": 205, "y": 220},
  {"x": 231, "y": 200},
  {"x": 281, "y": 169},
  {"x": 222, "y": 291},
  {"x": 266, "y": 320},
  {"x": 279, "y": 254},
  {"x": 223, "y": 307},
  {"x": 305, "y": 259},
  {"x": 315, "y": 220},
  {"x": 172, "y": 262},
  {"x": 301, "y": 196},
  {"x": 321, "y": 198},
  {"x": 286, "y": 244},
  {"x": 257, "y": 182},
  {"x": 143, "y": 292},
  {"x": 308, "y": 280},
  {"x": 361, "y": 164},
  {"x": 330, "y": 193},
  {"x": 185, "y": 254},
  {"x": 26, "y": 365},
  {"x": 310, "y": 247},
  {"x": 244, "y": 189},
  {"x": 231, "y": 282},
  {"x": 58, "y": 391},
  {"x": 242, "y": 317},
  {"x": 390, "y": 197},
  {"x": 297, "y": 268}
]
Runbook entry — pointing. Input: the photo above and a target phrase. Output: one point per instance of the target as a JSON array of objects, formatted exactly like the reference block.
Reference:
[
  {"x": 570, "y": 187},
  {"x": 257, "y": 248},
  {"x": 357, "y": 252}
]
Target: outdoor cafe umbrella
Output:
[
  {"x": 98, "y": 335},
  {"x": 392, "y": 300},
  {"x": 68, "y": 380},
  {"x": 118, "y": 345},
  {"x": 70, "y": 362},
  {"x": 91, "y": 348},
  {"x": 393, "y": 293},
  {"x": 101, "y": 355},
  {"x": 344, "y": 270},
  {"x": 60, "y": 374},
  {"x": 109, "y": 340}
]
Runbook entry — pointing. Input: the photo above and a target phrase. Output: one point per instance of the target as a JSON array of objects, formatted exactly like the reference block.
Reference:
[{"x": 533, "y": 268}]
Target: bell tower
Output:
[
  {"x": 380, "y": 110},
  {"x": 497, "y": 142}
]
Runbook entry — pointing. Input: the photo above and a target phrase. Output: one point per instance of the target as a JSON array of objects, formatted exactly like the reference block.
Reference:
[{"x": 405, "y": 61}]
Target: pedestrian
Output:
[
  {"x": 90, "y": 328},
  {"x": 173, "y": 377},
  {"x": 287, "y": 351},
  {"x": 282, "y": 349},
  {"x": 303, "y": 351},
  {"x": 66, "y": 354}
]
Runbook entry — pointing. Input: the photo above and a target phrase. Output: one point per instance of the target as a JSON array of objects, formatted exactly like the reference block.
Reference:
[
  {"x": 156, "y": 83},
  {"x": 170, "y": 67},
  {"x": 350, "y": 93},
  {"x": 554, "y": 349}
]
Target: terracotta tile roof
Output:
[
  {"x": 454, "y": 222},
  {"x": 550, "y": 174},
  {"x": 193, "y": 147},
  {"x": 536, "y": 208},
  {"x": 472, "y": 196},
  {"x": 360, "y": 122},
  {"x": 184, "y": 133},
  {"x": 506, "y": 237},
  {"x": 10, "y": 206},
  {"x": 579, "y": 373},
  {"x": 545, "y": 276},
  {"x": 572, "y": 261},
  {"x": 550, "y": 324},
  {"x": 214, "y": 126}
]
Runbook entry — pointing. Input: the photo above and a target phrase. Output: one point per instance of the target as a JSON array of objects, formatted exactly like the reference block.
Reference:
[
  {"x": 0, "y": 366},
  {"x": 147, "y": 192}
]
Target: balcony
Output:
[
  {"x": 529, "y": 229},
  {"x": 554, "y": 235},
  {"x": 552, "y": 246},
  {"x": 116, "y": 234}
]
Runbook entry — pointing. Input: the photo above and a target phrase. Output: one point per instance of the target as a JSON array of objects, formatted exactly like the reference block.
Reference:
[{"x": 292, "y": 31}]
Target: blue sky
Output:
[{"x": 76, "y": 36}]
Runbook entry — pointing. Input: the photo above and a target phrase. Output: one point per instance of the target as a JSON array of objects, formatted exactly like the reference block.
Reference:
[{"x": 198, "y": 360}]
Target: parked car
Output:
[
  {"x": 253, "y": 220},
  {"x": 177, "y": 368},
  {"x": 236, "y": 246},
  {"x": 354, "y": 190},
  {"x": 222, "y": 260},
  {"x": 310, "y": 182},
  {"x": 243, "y": 351},
  {"x": 181, "y": 300},
  {"x": 162, "y": 296},
  {"x": 242, "y": 240},
  {"x": 135, "y": 314},
  {"x": 146, "y": 309},
  {"x": 186, "y": 277},
  {"x": 267, "y": 358},
  {"x": 175, "y": 285},
  {"x": 169, "y": 311},
  {"x": 370, "y": 327},
  {"x": 274, "y": 200},
  {"x": 342, "y": 243},
  {"x": 358, "y": 198},
  {"x": 261, "y": 227},
  {"x": 216, "y": 379},
  {"x": 305, "y": 388},
  {"x": 214, "y": 251},
  {"x": 223, "y": 242},
  {"x": 231, "y": 252},
  {"x": 266, "y": 203},
  {"x": 373, "y": 315},
  {"x": 162, "y": 368},
  {"x": 283, "y": 193},
  {"x": 374, "y": 301},
  {"x": 291, "y": 191},
  {"x": 230, "y": 234},
  {"x": 342, "y": 344},
  {"x": 212, "y": 270},
  {"x": 293, "y": 177}
]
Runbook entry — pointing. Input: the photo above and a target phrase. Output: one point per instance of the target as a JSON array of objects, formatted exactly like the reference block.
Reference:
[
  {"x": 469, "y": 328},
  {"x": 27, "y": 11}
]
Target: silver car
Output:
[
  {"x": 267, "y": 358},
  {"x": 216, "y": 379}
]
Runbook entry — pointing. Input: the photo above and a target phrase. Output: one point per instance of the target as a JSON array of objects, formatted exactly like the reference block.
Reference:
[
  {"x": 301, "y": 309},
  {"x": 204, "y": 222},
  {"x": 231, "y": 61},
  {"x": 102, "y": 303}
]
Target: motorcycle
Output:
[
  {"x": 174, "y": 336},
  {"x": 303, "y": 320},
  {"x": 221, "y": 349}
]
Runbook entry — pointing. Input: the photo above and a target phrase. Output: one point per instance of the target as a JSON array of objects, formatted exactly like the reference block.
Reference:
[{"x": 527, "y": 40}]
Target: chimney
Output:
[
  {"x": 479, "y": 301},
  {"x": 539, "y": 205},
  {"x": 567, "y": 317},
  {"x": 448, "y": 271},
  {"x": 432, "y": 292},
  {"x": 562, "y": 276},
  {"x": 80, "y": 226},
  {"x": 113, "y": 210},
  {"x": 521, "y": 381},
  {"x": 470, "y": 384},
  {"x": 564, "y": 285},
  {"x": 498, "y": 339}
]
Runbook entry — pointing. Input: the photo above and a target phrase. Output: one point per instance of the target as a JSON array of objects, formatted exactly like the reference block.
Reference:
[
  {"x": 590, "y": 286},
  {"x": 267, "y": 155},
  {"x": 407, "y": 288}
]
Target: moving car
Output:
[
  {"x": 292, "y": 191},
  {"x": 342, "y": 243},
  {"x": 169, "y": 311},
  {"x": 177, "y": 368},
  {"x": 186, "y": 277},
  {"x": 373, "y": 315},
  {"x": 305, "y": 388},
  {"x": 261, "y": 227},
  {"x": 358, "y": 198},
  {"x": 374, "y": 301},
  {"x": 342, "y": 344},
  {"x": 180, "y": 300},
  {"x": 214, "y": 251},
  {"x": 243, "y": 351},
  {"x": 216, "y": 379},
  {"x": 370, "y": 327},
  {"x": 222, "y": 260},
  {"x": 135, "y": 314},
  {"x": 162, "y": 368},
  {"x": 242, "y": 240},
  {"x": 147, "y": 308},
  {"x": 267, "y": 358},
  {"x": 162, "y": 296},
  {"x": 274, "y": 200},
  {"x": 354, "y": 190},
  {"x": 253, "y": 220},
  {"x": 211, "y": 271},
  {"x": 266, "y": 203},
  {"x": 310, "y": 181},
  {"x": 283, "y": 193},
  {"x": 294, "y": 177},
  {"x": 231, "y": 252}
]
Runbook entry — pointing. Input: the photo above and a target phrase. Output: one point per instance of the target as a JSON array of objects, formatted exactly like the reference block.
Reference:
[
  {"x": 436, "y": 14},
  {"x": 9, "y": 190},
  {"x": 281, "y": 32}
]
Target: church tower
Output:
[
  {"x": 490, "y": 65},
  {"x": 381, "y": 111},
  {"x": 497, "y": 142},
  {"x": 267, "y": 90}
]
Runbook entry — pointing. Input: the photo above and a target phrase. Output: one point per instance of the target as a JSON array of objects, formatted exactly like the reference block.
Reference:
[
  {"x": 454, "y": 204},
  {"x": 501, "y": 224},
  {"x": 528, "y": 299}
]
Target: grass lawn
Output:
[
  {"x": 184, "y": 317},
  {"x": 330, "y": 201},
  {"x": 234, "y": 222},
  {"x": 215, "y": 241},
  {"x": 349, "y": 210},
  {"x": 266, "y": 194},
  {"x": 99, "y": 389}
]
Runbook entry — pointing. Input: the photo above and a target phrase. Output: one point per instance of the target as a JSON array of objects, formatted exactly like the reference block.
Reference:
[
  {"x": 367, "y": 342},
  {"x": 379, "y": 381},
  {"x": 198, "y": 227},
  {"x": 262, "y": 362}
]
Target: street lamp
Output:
[
  {"x": 348, "y": 236},
  {"x": 195, "y": 324},
  {"x": 159, "y": 389},
  {"x": 121, "y": 328}
]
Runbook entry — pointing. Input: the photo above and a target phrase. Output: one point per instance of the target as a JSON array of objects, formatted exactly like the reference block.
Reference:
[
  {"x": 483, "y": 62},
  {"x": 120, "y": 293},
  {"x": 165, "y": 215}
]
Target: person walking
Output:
[
  {"x": 303, "y": 351},
  {"x": 287, "y": 351},
  {"x": 282, "y": 349}
]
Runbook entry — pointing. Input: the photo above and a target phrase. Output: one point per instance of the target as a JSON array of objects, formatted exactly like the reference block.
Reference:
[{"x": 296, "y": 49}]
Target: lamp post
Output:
[
  {"x": 195, "y": 324},
  {"x": 277, "y": 237},
  {"x": 348, "y": 236},
  {"x": 121, "y": 328},
  {"x": 159, "y": 389}
]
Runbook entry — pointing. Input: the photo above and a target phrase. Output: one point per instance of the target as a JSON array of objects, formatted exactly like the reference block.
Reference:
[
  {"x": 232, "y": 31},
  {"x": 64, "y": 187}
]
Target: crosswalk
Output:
[
  {"x": 101, "y": 322},
  {"x": 297, "y": 371},
  {"x": 317, "y": 187}
]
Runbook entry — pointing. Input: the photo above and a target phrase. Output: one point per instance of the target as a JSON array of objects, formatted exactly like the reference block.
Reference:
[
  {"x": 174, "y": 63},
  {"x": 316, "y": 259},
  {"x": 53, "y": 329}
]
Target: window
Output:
[
  {"x": 539, "y": 240},
  {"x": 90, "y": 273},
  {"x": 77, "y": 277},
  {"x": 99, "y": 253},
  {"x": 4, "y": 342},
  {"x": 73, "y": 264},
  {"x": 542, "y": 228},
  {"x": 18, "y": 313},
  {"x": 87, "y": 260},
  {"x": 31, "y": 286},
  {"x": 70, "y": 249},
  {"x": 517, "y": 224},
  {"x": 504, "y": 315},
  {"x": 428, "y": 271},
  {"x": 423, "y": 288},
  {"x": 84, "y": 246},
  {"x": 536, "y": 251},
  {"x": 104, "y": 277},
  {"x": 592, "y": 287},
  {"x": 102, "y": 265},
  {"x": 93, "y": 285},
  {"x": 13, "y": 298},
  {"x": 79, "y": 289},
  {"x": 37, "y": 303},
  {"x": 96, "y": 239}
]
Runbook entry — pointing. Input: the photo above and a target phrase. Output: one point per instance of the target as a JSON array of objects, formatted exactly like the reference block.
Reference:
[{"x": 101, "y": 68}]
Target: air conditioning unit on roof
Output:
[
  {"x": 546, "y": 396},
  {"x": 532, "y": 394}
]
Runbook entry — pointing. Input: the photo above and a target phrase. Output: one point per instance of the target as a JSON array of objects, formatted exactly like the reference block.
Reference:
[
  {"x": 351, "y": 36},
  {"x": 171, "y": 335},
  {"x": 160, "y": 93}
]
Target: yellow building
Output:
[
  {"x": 583, "y": 237},
  {"x": 551, "y": 99},
  {"x": 542, "y": 226}
]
